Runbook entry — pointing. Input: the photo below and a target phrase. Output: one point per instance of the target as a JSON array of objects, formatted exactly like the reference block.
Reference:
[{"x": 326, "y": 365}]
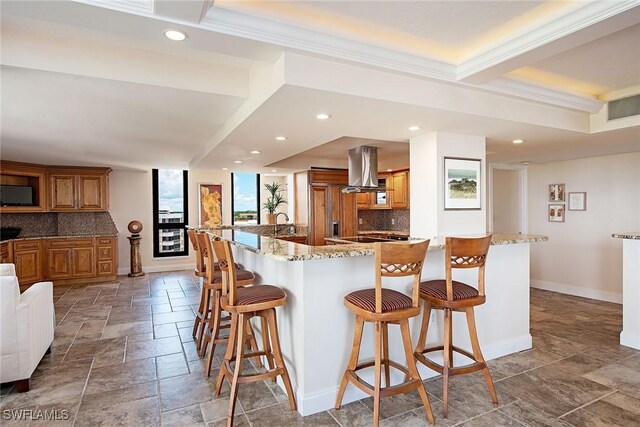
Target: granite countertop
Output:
[
  {"x": 288, "y": 251},
  {"x": 635, "y": 235},
  {"x": 74, "y": 236},
  {"x": 392, "y": 232}
]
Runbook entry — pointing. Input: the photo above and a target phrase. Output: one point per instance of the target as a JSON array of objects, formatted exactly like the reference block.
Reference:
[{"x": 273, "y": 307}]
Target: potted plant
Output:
[{"x": 276, "y": 199}]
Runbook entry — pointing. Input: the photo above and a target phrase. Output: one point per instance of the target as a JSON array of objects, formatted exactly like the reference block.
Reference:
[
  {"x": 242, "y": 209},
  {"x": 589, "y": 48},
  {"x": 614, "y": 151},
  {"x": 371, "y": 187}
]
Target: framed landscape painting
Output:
[
  {"x": 210, "y": 197},
  {"x": 462, "y": 182}
]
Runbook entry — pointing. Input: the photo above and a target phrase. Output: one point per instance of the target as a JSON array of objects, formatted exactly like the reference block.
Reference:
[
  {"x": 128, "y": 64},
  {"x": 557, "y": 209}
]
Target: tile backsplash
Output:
[
  {"x": 380, "y": 219},
  {"x": 60, "y": 224}
]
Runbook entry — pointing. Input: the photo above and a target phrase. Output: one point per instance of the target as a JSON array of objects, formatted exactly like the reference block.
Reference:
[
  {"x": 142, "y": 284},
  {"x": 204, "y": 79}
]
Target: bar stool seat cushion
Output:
[
  {"x": 391, "y": 300},
  {"x": 240, "y": 276},
  {"x": 438, "y": 289},
  {"x": 258, "y": 294}
]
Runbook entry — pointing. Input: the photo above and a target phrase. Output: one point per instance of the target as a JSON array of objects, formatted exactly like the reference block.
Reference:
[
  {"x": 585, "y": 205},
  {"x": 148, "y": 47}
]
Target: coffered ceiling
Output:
[{"x": 96, "y": 82}]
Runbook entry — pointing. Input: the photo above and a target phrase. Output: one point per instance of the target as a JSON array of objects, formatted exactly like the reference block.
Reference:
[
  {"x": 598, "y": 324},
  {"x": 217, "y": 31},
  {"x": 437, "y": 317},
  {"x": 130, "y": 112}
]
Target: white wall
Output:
[
  {"x": 264, "y": 194},
  {"x": 131, "y": 197},
  {"x": 581, "y": 257},
  {"x": 506, "y": 201}
]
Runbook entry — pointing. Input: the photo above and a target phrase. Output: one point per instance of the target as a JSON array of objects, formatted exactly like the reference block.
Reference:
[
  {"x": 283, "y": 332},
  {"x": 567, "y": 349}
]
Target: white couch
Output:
[{"x": 27, "y": 322}]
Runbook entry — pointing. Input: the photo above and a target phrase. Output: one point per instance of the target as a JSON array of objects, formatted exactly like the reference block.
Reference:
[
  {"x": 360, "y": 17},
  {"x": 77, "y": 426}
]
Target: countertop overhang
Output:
[{"x": 635, "y": 235}]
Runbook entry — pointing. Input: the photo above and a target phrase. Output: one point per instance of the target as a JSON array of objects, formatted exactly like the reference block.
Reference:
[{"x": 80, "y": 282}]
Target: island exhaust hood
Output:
[{"x": 363, "y": 170}]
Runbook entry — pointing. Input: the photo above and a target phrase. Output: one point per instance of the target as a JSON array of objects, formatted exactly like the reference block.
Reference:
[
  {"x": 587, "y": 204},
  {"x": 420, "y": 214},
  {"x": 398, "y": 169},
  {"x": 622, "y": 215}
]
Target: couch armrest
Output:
[{"x": 36, "y": 322}]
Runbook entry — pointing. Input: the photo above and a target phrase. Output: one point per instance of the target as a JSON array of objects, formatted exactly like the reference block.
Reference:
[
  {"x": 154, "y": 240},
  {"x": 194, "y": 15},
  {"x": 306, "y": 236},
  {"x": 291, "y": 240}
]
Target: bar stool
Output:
[
  {"x": 243, "y": 304},
  {"x": 450, "y": 295},
  {"x": 212, "y": 317},
  {"x": 383, "y": 306}
]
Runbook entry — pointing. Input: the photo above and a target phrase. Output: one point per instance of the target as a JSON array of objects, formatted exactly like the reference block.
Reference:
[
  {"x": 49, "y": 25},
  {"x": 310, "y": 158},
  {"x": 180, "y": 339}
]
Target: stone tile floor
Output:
[{"x": 123, "y": 355}]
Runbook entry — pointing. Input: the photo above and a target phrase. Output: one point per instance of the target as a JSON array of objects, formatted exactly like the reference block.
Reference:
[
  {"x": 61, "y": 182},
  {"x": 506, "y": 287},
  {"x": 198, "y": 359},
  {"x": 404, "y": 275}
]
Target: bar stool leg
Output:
[
  {"x": 473, "y": 334},
  {"x": 273, "y": 325},
  {"x": 377, "y": 350},
  {"x": 353, "y": 361},
  {"x": 266, "y": 345},
  {"x": 229, "y": 353},
  {"x": 447, "y": 362},
  {"x": 237, "y": 371},
  {"x": 215, "y": 330},
  {"x": 251, "y": 339},
  {"x": 385, "y": 349},
  {"x": 413, "y": 369},
  {"x": 198, "y": 320},
  {"x": 205, "y": 318},
  {"x": 424, "y": 328}
]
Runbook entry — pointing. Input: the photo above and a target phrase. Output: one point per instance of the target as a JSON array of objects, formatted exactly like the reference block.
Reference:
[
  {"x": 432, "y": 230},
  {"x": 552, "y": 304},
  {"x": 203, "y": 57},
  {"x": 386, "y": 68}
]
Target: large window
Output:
[
  {"x": 246, "y": 198},
  {"x": 170, "y": 212}
]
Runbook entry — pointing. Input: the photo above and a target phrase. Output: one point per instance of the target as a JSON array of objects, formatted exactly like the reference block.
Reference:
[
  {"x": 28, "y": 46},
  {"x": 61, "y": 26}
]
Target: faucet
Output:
[{"x": 275, "y": 223}]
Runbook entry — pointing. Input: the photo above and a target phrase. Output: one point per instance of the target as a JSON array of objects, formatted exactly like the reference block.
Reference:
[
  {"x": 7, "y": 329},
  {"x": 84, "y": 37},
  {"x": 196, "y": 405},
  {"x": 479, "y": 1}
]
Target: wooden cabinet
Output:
[
  {"x": 363, "y": 200},
  {"x": 399, "y": 182},
  {"x": 106, "y": 247},
  {"x": 6, "y": 252},
  {"x": 28, "y": 176},
  {"x": 28, "y": 259},
  {"x": 78, "y": 189},
  {"x": 323, "y": 207},
  {"x": 71, "y": 258}
]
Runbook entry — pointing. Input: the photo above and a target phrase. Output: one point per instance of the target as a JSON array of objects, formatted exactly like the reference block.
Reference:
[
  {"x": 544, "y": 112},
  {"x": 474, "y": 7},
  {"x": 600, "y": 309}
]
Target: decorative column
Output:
[{"x": 135, "y": 227}]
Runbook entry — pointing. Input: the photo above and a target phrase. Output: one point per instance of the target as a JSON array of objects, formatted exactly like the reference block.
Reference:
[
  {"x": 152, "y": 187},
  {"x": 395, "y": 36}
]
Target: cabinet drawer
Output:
[
  {"x": 105, "y": 268},
  {"x": 105, "y": 241},
  {"x": 105, "y": 253},
  {"x": 71, "y": 243},
  {"x": 26, "y": 245}
]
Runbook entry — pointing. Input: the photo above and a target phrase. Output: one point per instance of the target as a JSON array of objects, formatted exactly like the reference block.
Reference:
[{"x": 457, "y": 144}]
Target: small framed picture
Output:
[
  {"x": 578, "y": 201},
  {"x": 556, "y": 193},
  {"x": 462, "y": 181},
  {"x": 556, "y": 213}
]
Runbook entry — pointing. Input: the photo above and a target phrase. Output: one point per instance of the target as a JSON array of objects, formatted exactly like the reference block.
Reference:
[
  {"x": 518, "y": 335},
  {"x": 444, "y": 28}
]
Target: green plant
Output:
[{"x": 276, "y": 199}]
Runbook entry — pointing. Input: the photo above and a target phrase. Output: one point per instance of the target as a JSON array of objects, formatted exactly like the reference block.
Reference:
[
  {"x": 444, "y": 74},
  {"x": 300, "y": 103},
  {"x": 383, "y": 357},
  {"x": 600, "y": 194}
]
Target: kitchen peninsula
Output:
[
  {"x": 316, "y": 328},
  {"x": 630, "y": 335}
]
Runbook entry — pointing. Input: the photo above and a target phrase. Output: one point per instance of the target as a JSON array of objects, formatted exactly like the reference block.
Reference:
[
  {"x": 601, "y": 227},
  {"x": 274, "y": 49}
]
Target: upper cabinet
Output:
[
  {"x": 37, "y": 188},
  {"x": 399, "y": 182},
  {"x": 79, "y": 189},
  {"x": 23, "y": 188},
  {"x": 396, "y": 195}
]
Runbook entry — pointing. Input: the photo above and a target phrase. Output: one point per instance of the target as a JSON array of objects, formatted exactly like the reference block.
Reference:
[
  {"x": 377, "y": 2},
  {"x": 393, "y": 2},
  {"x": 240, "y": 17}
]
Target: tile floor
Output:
[{"x": 123, "y": 355}]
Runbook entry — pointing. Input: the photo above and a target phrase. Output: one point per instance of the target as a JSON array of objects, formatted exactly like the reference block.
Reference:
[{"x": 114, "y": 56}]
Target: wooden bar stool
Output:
[
  {"x": 384, "y": 306},
  {"x": 213, "y": 318},
  {"x": 450, "y": 295},
  {"x": 199, "y": 272},
  {"x": 244, "y": 303}
]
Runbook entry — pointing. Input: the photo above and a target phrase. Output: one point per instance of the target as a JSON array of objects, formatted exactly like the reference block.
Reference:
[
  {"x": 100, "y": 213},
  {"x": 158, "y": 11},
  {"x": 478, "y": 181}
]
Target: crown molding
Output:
[
  {"x": 577, "y": 19},
  {"x": 542, "y": 94},
  {"x": 137, "y": 7}
]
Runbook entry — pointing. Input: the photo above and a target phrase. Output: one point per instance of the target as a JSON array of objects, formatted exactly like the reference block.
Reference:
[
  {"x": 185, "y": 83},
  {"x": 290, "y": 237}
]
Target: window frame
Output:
[
  {"x": 233, "y": 192},
  {"x": 157, "y": 225}
]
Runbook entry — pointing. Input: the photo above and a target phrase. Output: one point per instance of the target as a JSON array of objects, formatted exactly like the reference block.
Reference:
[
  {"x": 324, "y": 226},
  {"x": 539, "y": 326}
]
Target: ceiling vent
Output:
[{"x": 623, "y": 107}]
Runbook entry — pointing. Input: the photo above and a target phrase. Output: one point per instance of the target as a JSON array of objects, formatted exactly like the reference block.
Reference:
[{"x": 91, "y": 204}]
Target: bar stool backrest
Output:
[
  {"x": 222, "y": 249},
  {"x": 204, "y": 242},
  {"x": 200, "y": 264},
  {"x": 466, "y": 253},
  {"x": 400, "y": 260}
]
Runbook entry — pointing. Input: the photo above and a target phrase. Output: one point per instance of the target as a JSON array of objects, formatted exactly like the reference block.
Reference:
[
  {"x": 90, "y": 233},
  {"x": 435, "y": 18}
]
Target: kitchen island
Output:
[
  {"x": 630, "y": 335},
  {"x": 316, "y": 329}
]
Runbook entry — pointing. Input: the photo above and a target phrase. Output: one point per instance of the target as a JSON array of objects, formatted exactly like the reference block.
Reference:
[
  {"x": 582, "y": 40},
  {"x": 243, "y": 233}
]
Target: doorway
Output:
[{"x": 508, "y": 199}]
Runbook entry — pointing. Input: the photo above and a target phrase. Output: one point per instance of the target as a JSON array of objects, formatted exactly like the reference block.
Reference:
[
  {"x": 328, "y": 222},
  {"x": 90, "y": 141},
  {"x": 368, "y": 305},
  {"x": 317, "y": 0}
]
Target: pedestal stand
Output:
[{"x": 136, "y": 264}]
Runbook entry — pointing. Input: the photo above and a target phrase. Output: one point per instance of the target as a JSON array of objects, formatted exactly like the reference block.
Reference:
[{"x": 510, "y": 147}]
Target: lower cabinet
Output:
[{"x": 65, "y": 259}]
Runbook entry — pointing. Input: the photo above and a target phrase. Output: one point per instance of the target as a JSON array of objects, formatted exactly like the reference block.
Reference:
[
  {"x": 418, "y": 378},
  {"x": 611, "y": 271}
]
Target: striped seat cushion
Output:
[
  {"x": 391, "y": 300},
  {"x": 438, "y": 289},
  {"x": 257, "y": 294},
  {"x": 240, "y": 275}
]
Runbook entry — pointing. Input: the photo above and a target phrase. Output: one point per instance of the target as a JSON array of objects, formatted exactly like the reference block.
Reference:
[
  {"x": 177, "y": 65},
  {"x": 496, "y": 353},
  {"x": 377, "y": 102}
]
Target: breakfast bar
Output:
[
  {"x": 316, "y": 329},
  {"x": 630, "y": 335}
]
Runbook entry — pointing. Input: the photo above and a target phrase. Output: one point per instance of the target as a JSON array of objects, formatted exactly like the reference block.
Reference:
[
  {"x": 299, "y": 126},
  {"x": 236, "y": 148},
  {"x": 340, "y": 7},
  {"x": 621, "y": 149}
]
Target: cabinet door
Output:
[
  {"x": 380, "y": 199},
  {"x": 348, "y": 215},
  {"x": 83, "y": 262},
  {"x": 106, "y": 256},
  {"x": 363, "y": 200},
  {"x": 319, "y": 217},
  {"x": 400, "y": 194},
  {"x": 59, "y": 263},
  {"x": 92, "y": 192},
  {"x": 28, "y": 266},
  {"x": 63, "y": 192}
]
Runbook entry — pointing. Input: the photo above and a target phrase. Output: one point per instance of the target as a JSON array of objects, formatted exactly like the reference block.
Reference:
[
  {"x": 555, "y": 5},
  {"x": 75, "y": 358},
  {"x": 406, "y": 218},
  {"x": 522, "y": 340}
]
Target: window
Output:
[
  {"x": 170, "y": 212},
  {"x": 245, "y": 202}
]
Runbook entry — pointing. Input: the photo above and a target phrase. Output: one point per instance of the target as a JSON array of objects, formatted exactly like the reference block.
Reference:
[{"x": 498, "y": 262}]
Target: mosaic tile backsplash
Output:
[
  {"x": 381, "y": 220},
  {"x": 61, "y": 224}
]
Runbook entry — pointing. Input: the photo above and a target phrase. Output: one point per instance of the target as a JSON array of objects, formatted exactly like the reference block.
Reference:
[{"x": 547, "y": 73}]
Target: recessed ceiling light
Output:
[
  {"x": 281, "y": 138},
  {"x": 518, "y": 141},
  {"x": 414, "y": 127},
  {"x": 225, "y": 169},
  {"x": 175, "y": 35},
  {"x": 237, "y": 161},
  {"x": 526, "y": 162},
  {"x": 274, "y": 170},
  {"x": 323, "y": 116},
  {"x": 255, "y": 152},
  {"x": 389, "y": 170}
]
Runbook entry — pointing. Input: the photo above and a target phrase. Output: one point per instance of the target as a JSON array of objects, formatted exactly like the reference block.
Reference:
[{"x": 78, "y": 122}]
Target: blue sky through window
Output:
[
  {"x": 245, "y": 192},
  {"x": 170, "y": 190}
]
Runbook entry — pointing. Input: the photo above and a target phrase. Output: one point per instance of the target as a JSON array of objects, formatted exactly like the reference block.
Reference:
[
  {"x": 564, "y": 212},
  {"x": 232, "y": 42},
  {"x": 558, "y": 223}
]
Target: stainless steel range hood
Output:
[{"x": 363, "y": 170}]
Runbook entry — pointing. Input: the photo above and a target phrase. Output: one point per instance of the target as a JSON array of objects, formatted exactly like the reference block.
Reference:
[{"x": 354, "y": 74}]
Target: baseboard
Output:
[
  {"x": 577, "y": 291},
  {"x": 159, "y": 268},
  {"x": 325, "y": 399}
]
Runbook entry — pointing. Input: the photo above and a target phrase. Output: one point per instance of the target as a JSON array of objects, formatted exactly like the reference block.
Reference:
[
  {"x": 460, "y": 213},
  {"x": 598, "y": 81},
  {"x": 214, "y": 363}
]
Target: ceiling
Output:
[{"x": 96, "y": 83}]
